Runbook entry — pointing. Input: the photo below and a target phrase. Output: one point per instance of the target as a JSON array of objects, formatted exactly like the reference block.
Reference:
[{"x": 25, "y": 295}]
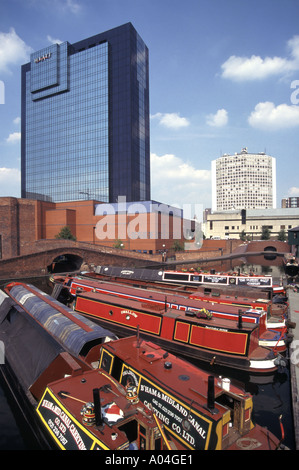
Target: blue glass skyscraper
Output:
[{"x": 85, "y": 120}]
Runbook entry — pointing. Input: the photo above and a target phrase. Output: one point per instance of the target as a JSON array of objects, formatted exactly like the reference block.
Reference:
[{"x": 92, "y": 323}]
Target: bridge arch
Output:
[
  {"x": 270, "y": 256},
  {"x": 66, "y": 262}
]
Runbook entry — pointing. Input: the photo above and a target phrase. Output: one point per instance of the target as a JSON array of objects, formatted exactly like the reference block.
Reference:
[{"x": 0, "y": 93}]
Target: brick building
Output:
[{"x": 145, "y": 227}]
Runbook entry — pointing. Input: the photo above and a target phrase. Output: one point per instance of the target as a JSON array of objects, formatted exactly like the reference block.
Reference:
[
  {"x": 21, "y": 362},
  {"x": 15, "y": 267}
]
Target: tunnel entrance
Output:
[
  {"x": 270, "y": 256},
  {"x": 65, "y": 263}
]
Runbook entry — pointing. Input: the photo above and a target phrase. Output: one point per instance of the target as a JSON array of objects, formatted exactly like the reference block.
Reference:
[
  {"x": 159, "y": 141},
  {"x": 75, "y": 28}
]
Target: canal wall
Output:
[
  {"x": 293, "y": 298},
  {"x": 40, "y": 258}
]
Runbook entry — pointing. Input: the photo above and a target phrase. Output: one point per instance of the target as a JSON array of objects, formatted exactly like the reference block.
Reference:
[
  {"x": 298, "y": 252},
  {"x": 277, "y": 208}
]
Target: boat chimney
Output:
[
  {"x": 240, "y": 320},
  {"x": 97, "y": 407},
  {"x": 211, "y": 393}
]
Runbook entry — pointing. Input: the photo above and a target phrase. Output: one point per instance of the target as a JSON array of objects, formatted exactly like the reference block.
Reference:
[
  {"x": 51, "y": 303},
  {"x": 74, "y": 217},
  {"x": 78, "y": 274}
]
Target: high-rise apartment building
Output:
[
  {"x": 85, "y": 120},
  {"x": 244, "y": 181}
]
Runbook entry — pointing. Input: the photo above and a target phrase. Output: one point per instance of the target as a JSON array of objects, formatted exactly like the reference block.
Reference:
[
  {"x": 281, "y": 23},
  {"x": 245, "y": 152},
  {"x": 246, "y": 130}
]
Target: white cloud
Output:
[
  {"x": 73, "y": 6},
  {"x": 171, "y": 120},
  {"x": 10, "y": 179},
  {"x": 257, "y": 68},
  {"x": 65, "y": 6},
  {"x": 14, "y": 137},
  {"x": 177, "y": 182},
  {"x": 17, "y": 121},
  {"x": 219, "y": 119},
  {"x": 293, "y": 191},
  {"x": 13, "y": 51},
  {"x": 270, "y": 117},
  {"x": 53, "y": 41}
]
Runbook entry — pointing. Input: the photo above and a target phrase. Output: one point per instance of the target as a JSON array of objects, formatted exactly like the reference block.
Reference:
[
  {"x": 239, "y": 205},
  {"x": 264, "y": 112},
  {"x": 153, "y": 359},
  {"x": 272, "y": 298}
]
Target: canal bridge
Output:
[
  {"x": 53, "y": 256},
  {"x": 64, "y": 256}
]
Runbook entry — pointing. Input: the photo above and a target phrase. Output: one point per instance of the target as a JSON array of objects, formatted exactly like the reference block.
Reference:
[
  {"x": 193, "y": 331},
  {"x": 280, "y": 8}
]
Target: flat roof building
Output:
[
  {"x": 250, "y": 222},
  {"x": 85, "y": 120},
  {"x": 244, "y": 181},
  {"x": 287, "y": 202}
]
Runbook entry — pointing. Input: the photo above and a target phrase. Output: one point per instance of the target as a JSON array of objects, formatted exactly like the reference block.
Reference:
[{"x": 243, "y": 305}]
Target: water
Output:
[{"x": 271, "y": 394}]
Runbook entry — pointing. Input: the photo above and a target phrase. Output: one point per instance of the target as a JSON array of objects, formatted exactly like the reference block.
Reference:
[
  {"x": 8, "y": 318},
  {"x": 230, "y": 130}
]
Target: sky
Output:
[{"x": 224, "y": 75}]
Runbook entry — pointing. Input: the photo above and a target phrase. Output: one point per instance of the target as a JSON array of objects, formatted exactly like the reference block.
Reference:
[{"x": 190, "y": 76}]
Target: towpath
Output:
[{"x": 293, "y": 297}]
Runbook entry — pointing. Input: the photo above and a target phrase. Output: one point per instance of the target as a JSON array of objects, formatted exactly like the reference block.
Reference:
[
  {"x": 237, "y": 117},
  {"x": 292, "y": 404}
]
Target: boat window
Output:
[
  {"x": 142, "y": 437},
  {"x": 176, "y": 277},
  {"x": 12, "y": 315},
  {"x": 116, "y": 368},
  {"x": 158, "y": 444},
  {"x": 235, "y": 408},
  {"x": 130, "y": 429}
]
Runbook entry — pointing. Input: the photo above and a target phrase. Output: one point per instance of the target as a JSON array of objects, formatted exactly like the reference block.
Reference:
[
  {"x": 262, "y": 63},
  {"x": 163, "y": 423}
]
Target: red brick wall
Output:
[
  {"x": 56, "y": 219},
  {"x": 9, "y": 227}
]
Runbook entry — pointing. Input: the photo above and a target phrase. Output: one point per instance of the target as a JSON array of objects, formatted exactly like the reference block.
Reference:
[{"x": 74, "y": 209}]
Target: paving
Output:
[{"x": 293, "y": 299}]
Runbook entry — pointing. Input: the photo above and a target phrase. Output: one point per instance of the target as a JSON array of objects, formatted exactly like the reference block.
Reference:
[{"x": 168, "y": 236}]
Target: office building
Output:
[
  {"x": 250, "y": 222},
  {"x": 85, "y": 120},
  {"x": 287, "y": 202},
  {"x": 244, "y": 181}
]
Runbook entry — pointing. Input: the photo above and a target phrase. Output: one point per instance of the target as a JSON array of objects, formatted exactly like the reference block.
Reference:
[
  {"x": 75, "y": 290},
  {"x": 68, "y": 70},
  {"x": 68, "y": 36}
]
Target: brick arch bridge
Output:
[
  {"x": 44, "y": 258},
  {"x": 38, "y": 258}
]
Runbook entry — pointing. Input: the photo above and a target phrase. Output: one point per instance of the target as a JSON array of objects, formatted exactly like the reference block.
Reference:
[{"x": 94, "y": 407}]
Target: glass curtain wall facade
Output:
[{"x": 85, "y": 120}]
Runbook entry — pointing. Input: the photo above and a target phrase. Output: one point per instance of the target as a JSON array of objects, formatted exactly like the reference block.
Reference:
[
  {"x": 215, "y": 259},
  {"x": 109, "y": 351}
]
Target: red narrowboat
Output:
[
  {"x": 196, "y": 334},
  {"x": 272, "y": 333}
]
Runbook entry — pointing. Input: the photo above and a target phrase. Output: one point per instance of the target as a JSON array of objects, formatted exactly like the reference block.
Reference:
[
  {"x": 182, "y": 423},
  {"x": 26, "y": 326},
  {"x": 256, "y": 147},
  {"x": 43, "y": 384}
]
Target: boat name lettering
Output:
[
  {"x": 62, "y": 426},
  {"x": 174, "y": 414},
  {"x": 217, "y": 279},
  {"x": 214, "y": 328},
  {"x": 129, "y": 312},
  {"x": 169, "y": 410}
]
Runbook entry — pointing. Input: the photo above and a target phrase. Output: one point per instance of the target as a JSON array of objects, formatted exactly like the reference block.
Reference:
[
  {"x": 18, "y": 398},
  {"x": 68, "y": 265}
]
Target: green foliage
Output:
[
  {"x": 282, "y": 236},
  {"x": 177, "y": 246},
  {"x": 243, "y": 236},
  {"x": 265, "y": 233},
  {"x": 65, "y": 234},
  {"x": 118, "y": 244}
]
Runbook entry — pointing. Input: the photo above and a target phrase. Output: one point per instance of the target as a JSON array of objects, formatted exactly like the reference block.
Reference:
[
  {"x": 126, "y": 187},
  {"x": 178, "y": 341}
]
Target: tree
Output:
[
  {"x": 118, "y": 244},
  {"x": 243, "y": 235},
  {"x": 65, "y": 234},
  {"x": 177, "y": 246},
  {"x": 265, "y": 233},
  {"x": 282, "y": 236}
]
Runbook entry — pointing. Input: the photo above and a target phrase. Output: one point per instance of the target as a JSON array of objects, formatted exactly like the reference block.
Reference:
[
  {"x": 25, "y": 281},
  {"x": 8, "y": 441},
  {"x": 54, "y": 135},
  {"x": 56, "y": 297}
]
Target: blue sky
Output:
[{"x": 224, "y": 74}]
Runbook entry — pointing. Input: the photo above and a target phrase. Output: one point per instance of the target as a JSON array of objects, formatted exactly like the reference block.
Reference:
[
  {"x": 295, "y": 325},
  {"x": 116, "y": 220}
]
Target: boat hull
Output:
[
  {"x": 184, "y": 303},
  {"x": 208, "y": 341}
]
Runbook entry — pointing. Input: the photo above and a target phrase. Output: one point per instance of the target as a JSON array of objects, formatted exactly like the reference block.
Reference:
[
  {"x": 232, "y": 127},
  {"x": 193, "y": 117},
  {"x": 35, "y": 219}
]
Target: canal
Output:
[{"x": 271, "y": 393}]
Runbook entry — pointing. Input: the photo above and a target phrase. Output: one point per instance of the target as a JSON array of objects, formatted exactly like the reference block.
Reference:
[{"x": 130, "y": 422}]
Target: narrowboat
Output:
[
  {"x": 273, "y": 332},
  {"x": 291, "y": 265},
  {"x": 191, "y": 278},
  {"x": 203, "y": 411},
  {"x": 67, "y": 402},
  {"x": 83, "y": 394},
  {"x": 243, "y": 292},
  {"x": 195, "y": 334}
]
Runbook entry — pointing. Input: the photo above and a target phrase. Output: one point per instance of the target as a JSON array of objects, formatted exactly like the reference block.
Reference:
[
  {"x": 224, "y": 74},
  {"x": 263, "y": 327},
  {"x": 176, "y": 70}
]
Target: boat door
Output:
[{"x": 149, "y": 438}]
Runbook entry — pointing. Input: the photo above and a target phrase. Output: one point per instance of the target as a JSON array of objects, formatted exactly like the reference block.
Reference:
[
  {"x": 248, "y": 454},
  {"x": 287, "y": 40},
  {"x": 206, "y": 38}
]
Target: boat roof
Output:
[
  {"x": 29, "y": 349},
  {"x": 164, "y": 368},
  {"x": 162, "y": 310},
  {"x": 66, "y": 326},
  {"x": 140, "y": 293}
]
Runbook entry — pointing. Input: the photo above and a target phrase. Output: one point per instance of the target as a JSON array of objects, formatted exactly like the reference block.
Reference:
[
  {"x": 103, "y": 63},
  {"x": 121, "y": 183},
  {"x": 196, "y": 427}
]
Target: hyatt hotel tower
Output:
[{"x": 85, "y": 120}]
